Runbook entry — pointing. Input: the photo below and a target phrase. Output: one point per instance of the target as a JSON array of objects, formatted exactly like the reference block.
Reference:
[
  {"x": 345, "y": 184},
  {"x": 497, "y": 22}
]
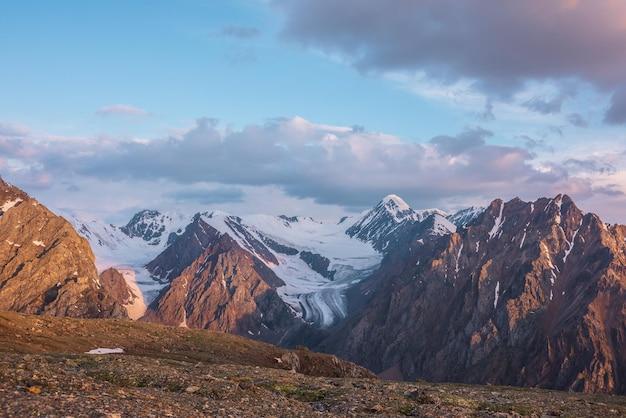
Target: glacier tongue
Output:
[
  {"x": 315, "y": 298},
  {"x": 317, "y": 260}
]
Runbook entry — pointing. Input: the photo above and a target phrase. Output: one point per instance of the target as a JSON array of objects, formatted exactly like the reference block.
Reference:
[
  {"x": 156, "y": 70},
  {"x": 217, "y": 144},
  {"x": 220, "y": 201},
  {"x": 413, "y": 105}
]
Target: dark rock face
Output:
[
  {"x": 45, "y": 266},
  {"x": 278, "y": 247},
  {"x": 226, "y": 289},
  {"x": 530, "y": 294},
  {"x": 183, "y": 250},
  {"x": 290, "y": 219},
  {"x": 318, "y": 263}
]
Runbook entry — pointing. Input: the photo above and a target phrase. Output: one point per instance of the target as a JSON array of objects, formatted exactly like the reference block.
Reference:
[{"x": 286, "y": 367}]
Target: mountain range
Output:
[{"x": 517, "y": 293}]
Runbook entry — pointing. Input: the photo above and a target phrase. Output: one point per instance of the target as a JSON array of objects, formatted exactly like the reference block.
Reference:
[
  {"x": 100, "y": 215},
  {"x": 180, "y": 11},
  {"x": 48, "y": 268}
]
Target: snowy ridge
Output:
[
  {"x": 464, "y": 217},
  {"x": 442, "y": 226},
  {"x": 153, "y": 226},
  {"x": 379, "y": 225},
  {"x": 129, "y": 255},
  {"x": 312, "y": 296},
  {"x": 350, "y": 249}
]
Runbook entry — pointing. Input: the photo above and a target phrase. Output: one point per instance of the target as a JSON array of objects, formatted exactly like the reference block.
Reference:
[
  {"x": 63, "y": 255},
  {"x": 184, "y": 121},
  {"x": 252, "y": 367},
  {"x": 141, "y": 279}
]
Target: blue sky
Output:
[
  {"x": 311, "y": 106},
  {"x": 67, "y": 59}
]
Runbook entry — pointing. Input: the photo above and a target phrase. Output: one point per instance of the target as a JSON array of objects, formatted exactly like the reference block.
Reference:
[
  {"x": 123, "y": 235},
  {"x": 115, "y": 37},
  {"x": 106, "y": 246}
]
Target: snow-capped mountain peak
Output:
[
  {"x": 396, "y": 207},
  {"x": 152, "y": 225},
  {"x": 397, "y": 201},
  {"x": 316, "y": 260},
  {"x": 380, "y": 224}
]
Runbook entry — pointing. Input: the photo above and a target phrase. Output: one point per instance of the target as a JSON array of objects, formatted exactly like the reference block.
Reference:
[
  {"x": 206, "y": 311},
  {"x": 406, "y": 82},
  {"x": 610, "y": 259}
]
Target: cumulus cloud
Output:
[
  {"x": 500, "y": 46},
  {"x": 545, "y": 106},
  {"x": 13, "y": 131},
  {"x": 338, "y": 165},
  {"x": 121, "y": 110},
  {"x": 330, "y": 164}
]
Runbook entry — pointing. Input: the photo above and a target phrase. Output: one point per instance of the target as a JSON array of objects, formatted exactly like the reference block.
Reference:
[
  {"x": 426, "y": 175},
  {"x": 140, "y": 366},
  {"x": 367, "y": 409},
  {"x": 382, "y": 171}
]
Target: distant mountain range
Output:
[{"x": 519, "y": 293}]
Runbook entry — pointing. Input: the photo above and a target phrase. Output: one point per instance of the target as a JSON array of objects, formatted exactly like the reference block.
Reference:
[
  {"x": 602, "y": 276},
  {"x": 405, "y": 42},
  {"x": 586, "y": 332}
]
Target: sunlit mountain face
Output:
[{"x": 430, "y": 191}]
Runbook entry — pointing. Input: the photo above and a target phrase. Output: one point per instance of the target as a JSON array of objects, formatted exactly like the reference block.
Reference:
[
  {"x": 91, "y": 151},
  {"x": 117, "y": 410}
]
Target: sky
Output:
[{"x": 312, "y": 107}]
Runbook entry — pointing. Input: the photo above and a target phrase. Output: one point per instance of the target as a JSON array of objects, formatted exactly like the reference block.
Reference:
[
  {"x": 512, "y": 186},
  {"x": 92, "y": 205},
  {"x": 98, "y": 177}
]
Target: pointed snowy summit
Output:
[{"x": 379, "y": 224}]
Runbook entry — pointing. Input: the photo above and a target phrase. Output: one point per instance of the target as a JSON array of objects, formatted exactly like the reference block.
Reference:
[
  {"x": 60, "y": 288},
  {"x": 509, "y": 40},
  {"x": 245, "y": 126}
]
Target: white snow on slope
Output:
[
  {"x": 458, "y": 256},
  {"x": 463, "y": 217},
  {"x": 106, "y": 351},
  {"x": 497, "y": 223},
  {"x": 9, "y": 204},
  {"x": 129, "y": 256},
  {"x": 442, "y": 226},
  {"x": 312, "y": 296},
  {"x": 496, "y": 294}
]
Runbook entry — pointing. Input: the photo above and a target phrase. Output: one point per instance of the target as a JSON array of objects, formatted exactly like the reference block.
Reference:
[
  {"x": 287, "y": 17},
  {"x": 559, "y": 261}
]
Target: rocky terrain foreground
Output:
[{"x": 166, "y": 371}]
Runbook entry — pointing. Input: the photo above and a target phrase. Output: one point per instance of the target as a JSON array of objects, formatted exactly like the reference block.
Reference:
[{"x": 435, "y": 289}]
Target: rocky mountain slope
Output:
[
  {"x": 519, "y": 293},
  {"x": 45, "y": 266},
  {"x": 225, "y": 289},
  {"x": 315, "y": 261},
  {"x": 529, "y": 294},
  {"x": 165, "y": 371}
]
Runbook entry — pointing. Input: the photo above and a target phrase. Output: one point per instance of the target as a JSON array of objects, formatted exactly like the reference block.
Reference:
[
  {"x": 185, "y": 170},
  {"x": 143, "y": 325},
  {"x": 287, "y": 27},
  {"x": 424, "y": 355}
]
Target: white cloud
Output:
[
  {"x": 121, "y": 110},
  {"x": 305, "y": 162}
]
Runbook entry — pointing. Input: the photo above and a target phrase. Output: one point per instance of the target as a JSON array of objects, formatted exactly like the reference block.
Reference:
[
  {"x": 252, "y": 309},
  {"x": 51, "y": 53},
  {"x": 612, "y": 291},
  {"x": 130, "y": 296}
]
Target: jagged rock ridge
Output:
[
  {"x": 45, "y": 266},
  {"x": 529, "y": 294}
]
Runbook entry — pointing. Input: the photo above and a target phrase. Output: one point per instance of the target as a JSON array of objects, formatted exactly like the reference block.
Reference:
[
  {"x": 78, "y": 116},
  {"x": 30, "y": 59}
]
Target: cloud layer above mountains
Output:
[{"x": 329, "y": 164}]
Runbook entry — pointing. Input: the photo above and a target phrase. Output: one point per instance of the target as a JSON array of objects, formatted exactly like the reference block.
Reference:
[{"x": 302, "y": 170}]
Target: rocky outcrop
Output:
[
  {"x": 114, "y": 284},
  {"x": 225, "y": 289},
  {"x": 318, "y": 263},
  {"x": 150, "y": 226},
  {"x": 45, "y": 267},
  {"x": 529, "y": 294},
  {"x": 183, "y": 250}
]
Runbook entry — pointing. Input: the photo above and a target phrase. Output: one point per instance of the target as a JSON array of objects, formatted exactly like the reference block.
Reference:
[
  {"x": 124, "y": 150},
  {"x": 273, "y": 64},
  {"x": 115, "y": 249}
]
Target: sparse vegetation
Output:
[{"x": 192, "y": 373}]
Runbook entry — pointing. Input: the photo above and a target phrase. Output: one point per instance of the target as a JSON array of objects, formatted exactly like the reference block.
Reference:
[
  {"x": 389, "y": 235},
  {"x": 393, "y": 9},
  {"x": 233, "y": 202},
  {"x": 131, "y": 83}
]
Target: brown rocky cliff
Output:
[
  {"x": 529, "y": 294},
  {"x": 225, "y": 289},
  {"x": 45, "y": 266},
  {"x": 186, "y": 248},
  {"x": 114, "y": 284}
]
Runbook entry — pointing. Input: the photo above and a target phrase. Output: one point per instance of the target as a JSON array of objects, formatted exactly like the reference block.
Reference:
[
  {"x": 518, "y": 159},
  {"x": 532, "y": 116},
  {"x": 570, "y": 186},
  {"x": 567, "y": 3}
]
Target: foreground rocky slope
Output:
[
  {"x": 193, "y": 373},
  {"x": 45, "y": 266},
  {"x": 520, "y": 293},
  {"x": 529, "y": 294}
]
